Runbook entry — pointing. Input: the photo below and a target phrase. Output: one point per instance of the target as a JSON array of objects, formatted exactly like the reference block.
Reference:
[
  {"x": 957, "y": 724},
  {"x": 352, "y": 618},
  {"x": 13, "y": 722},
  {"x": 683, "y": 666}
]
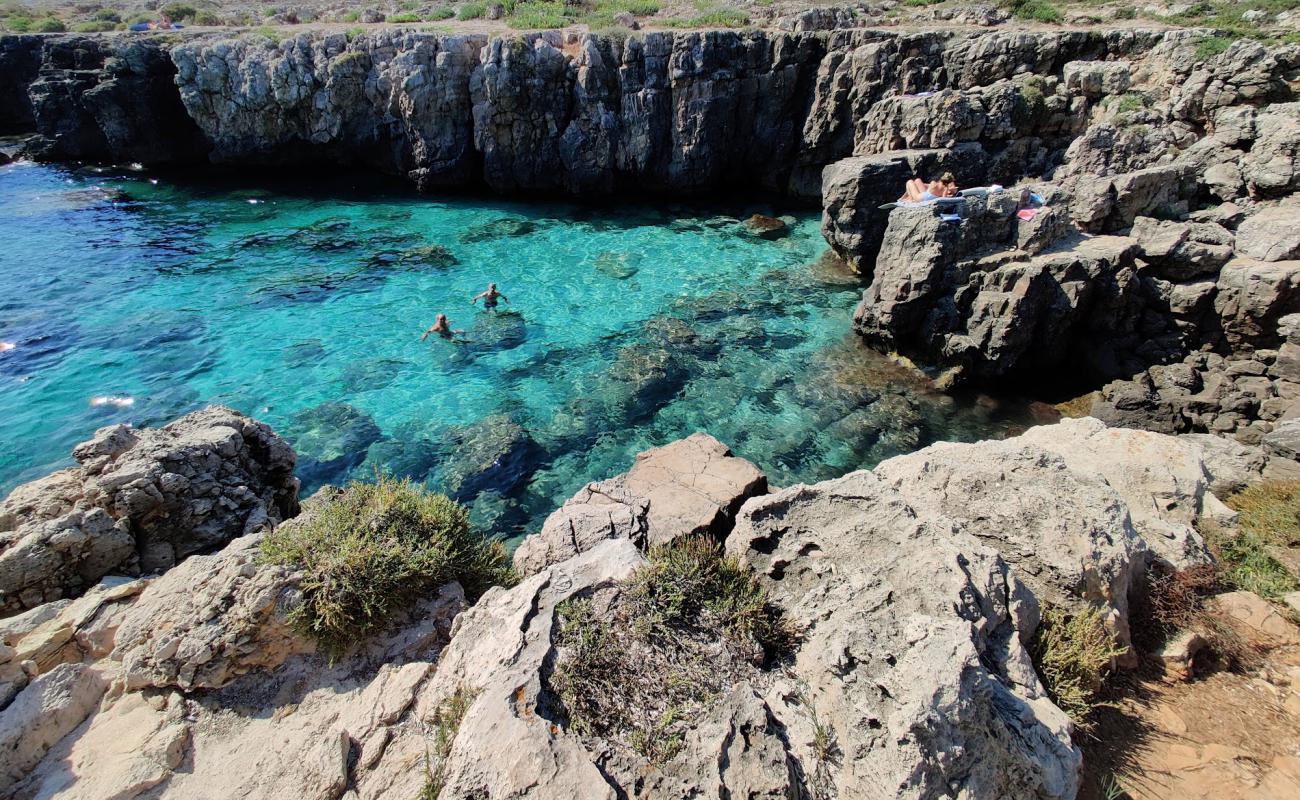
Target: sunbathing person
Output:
[
  {"x": 918, "y": 191},
  {"x": 441, "y": 327}
]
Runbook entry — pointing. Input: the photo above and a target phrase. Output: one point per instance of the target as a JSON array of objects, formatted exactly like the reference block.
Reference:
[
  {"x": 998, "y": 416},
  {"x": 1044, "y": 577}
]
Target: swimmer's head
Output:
[
  {"x": 491, "y": 286},
  {"x": 442, "y": 317}
]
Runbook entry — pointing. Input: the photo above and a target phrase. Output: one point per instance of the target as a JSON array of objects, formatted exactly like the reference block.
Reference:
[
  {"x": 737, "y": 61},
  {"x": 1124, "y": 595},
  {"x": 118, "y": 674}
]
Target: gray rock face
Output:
[
  {"x": 20, "y": 60},
  {"x": 693, "y": 486},
  {"x": 140, "y": 501},
  {"x": 102, "y": 99},
  {"x": 1272, "y": 234},
  {"x": 913, "y": 656}
]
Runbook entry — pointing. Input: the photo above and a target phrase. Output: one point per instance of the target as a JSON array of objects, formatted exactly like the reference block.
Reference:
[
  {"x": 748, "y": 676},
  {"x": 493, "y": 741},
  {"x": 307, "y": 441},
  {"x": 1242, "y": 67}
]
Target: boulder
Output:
[
  {"x": 493, "y": 454},
  {"x": 1067, "y": 534},
  {"x": 1252, "y": 296},
  {"x": 913, "y": 659},
  {"x": 1162, "y": 480},
  {"x": 693, "y": 486},
  {"x": 765, "y": 227},
  {"x": 1096, "y": 79},
  {"x": 1282, "y": 447},
  {"x": 1271, "y": 168},
  {"x": 140, "y": 501},
  {"x": 43, "y": 713},
  {"x": 1182, "y": 251},
  {"x": 210, "y": 620},
  {"x": 1272, "y": 234},
  {"x": 1230, "y": 465}
]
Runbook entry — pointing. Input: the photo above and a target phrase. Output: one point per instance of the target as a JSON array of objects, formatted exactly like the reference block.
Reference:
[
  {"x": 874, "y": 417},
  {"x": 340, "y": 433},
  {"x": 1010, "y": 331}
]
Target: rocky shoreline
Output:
[{"x": 916, "y": 588}]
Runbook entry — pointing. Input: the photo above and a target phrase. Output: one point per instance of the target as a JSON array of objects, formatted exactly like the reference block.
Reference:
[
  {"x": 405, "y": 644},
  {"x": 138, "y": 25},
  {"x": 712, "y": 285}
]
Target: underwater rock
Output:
[
  {"x": 494, "y": 332},
  {"x": 501, "y": 229},
  {"x": 304, "y": 353},
  {"x": 495, "y": 454},
  {"x": 619, "y": 266},
  {"x": 765, "y": 227},
  {"x": 372, "y": 373},
  {"x": 401, "y": 457},
  {"x": 331, "y": 439}
]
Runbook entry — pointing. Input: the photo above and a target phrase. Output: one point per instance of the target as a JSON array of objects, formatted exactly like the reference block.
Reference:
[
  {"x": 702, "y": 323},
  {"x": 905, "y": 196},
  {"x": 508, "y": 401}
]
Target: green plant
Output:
[
  {"x": 352, "y": 16},
  {"x": 206, "y": 18},
  {"x": 1036, "y": 11},
  {"x": 370, "y": 549},
  {"x": 1246, "y": 564},
  {"x": 94, "y": 26},
  {"x": 679, "y": 631},
  {"x": 18, "y": 23},
  {"x": 691, "y": 579},
  {"x": 471, "y": 10},
  {"x": 1126, "y": 12},
  {"x": 275, "y": 35},
  {"x": 49, "y": 25},
  {"x": 1072, "y": 653},
  {"x": 446, "y": 724},
  {"x": 404, "y": 19},
  {"x": 1211, "y": 46},
  {"x": 106, "y": 15},
  {"x": 539, "y": 15},
  {"x": 1130, "y": 102},
  {"x": 179, "y": 11},
  {"x": 1270, "y": 511},
  {"x": 352, "y": 33},
  {"x": 440, "y": 13}
]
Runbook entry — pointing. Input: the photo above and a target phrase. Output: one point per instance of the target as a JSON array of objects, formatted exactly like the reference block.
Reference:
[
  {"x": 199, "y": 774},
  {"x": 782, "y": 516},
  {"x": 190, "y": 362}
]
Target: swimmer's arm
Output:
[
  {"x": 507, "y": 299},
  {"x": 426, "y": 333}
]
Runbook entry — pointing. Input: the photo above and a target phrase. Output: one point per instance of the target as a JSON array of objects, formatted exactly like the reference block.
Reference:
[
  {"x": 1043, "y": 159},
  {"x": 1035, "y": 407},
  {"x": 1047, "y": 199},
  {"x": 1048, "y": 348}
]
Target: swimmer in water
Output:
[
  {"x": 490, "y": 298},
  {"x": 441, "y": 327}
]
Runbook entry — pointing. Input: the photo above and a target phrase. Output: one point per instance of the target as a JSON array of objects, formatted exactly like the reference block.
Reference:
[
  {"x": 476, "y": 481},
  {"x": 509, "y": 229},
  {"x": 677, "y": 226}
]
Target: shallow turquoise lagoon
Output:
[{"x": 134, "y": 298}]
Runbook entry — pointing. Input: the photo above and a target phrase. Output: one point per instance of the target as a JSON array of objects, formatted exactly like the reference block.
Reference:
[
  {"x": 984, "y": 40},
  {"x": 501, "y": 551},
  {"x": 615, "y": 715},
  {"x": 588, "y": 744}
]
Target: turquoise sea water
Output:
[{"x": 131, "y": 297}]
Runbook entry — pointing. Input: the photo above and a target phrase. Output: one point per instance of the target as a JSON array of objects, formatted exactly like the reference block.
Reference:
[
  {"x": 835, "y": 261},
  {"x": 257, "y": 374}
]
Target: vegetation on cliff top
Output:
[
  {"x": 372, "y": 549},
  {"x": 638, "y": 662}
]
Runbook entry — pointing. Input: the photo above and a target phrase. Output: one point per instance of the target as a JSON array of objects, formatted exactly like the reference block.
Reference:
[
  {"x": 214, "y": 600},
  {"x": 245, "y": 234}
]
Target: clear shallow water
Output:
[{"x": 303, "y": 306}]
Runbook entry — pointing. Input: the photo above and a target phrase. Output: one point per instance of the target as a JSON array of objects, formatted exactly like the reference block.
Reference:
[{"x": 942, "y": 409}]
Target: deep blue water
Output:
[{"x": 131, "y": 297}]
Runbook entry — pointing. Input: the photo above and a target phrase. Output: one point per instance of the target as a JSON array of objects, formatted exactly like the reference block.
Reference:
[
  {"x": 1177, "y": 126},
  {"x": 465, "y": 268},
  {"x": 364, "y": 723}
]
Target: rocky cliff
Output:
[
  {"x": 675, "y": 112},
  {"x": 914, "y": 588}
]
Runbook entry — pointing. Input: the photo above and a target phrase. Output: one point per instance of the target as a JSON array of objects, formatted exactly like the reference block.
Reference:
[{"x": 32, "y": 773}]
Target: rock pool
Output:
[{"x": 132, "y": 297}]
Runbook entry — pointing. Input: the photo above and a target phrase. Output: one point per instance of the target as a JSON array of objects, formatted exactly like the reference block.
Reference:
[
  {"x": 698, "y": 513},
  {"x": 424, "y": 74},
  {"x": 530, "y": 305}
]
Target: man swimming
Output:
[
  {"x": 441, "y": 327},
  {"x": 490, "y": 298}
]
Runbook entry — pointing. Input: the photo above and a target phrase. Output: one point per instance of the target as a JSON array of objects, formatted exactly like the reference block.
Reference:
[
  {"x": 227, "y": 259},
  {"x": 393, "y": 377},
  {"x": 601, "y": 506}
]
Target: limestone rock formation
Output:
[
  {"x": 913, "y": 657},
  {"x": 689, "y": 487},
  {"x": 140, "y": 501}
]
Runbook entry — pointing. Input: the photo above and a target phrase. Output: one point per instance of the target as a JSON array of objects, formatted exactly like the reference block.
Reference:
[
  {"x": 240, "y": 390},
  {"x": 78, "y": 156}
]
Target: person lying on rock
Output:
[
  {"x": 917, "y": 191},
  {"x": 490, "y": 298},
  {"x": 441, "y": 327}
]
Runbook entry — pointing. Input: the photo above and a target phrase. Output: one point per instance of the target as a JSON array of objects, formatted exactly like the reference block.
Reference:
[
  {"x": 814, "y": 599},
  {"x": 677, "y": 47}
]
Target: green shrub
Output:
[
  {"x": 471, "y": 10},
  {"x": 206, "y": 18},
  {"x": 1244, "y": 563},
  {"x": 18, "y": 23},
  {"x": 268, "y": 12},
  {"x": 371, "y": 549},
  {"x": 1211, "y": 46},
  {"x": 682, "y": 629},
  {"x": 532, "y": 16},
  {"x": 1037, "y": 11},
  {"x": 353, "y": 33},
  {"x": 446, "y": 724},
  {"x": 49, "y": 25},
  {"x": 404, "y": 19},
  {"x": 106, "y": 15},
  {"x": 692, "y": 580},
  {"x": 1126, "y": 12},
  {"x": 94, "y": 26},
  {"x": 720, "y": 18},
  {"x": 1270, "y": 511},
  {"x": 1072, "y": 653},
  {"x": 352, "y": 16},
  {"x": 179, "y": 11},
  {"x": 440, "y": 13}
]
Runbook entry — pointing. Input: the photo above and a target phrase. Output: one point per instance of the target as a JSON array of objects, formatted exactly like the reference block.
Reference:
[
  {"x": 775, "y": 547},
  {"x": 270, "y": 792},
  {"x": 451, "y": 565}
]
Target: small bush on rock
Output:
[
  {"x": 1270, "y": 511},
  {"x": 446, "y": 724},
  {"x": 471, "y": 10},
  {"x": 371, "y": 549},
  {"x": 638, "y": 661},
  {"x": 1246, "y": 564},
  {"x": 1072, "y": 653}
]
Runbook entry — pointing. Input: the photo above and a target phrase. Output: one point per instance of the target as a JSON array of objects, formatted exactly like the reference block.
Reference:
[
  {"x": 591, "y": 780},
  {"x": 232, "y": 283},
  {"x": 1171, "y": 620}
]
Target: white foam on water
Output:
[
  {"x": 120, "y": 401},
  {"x": 7, "y": 346}
]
